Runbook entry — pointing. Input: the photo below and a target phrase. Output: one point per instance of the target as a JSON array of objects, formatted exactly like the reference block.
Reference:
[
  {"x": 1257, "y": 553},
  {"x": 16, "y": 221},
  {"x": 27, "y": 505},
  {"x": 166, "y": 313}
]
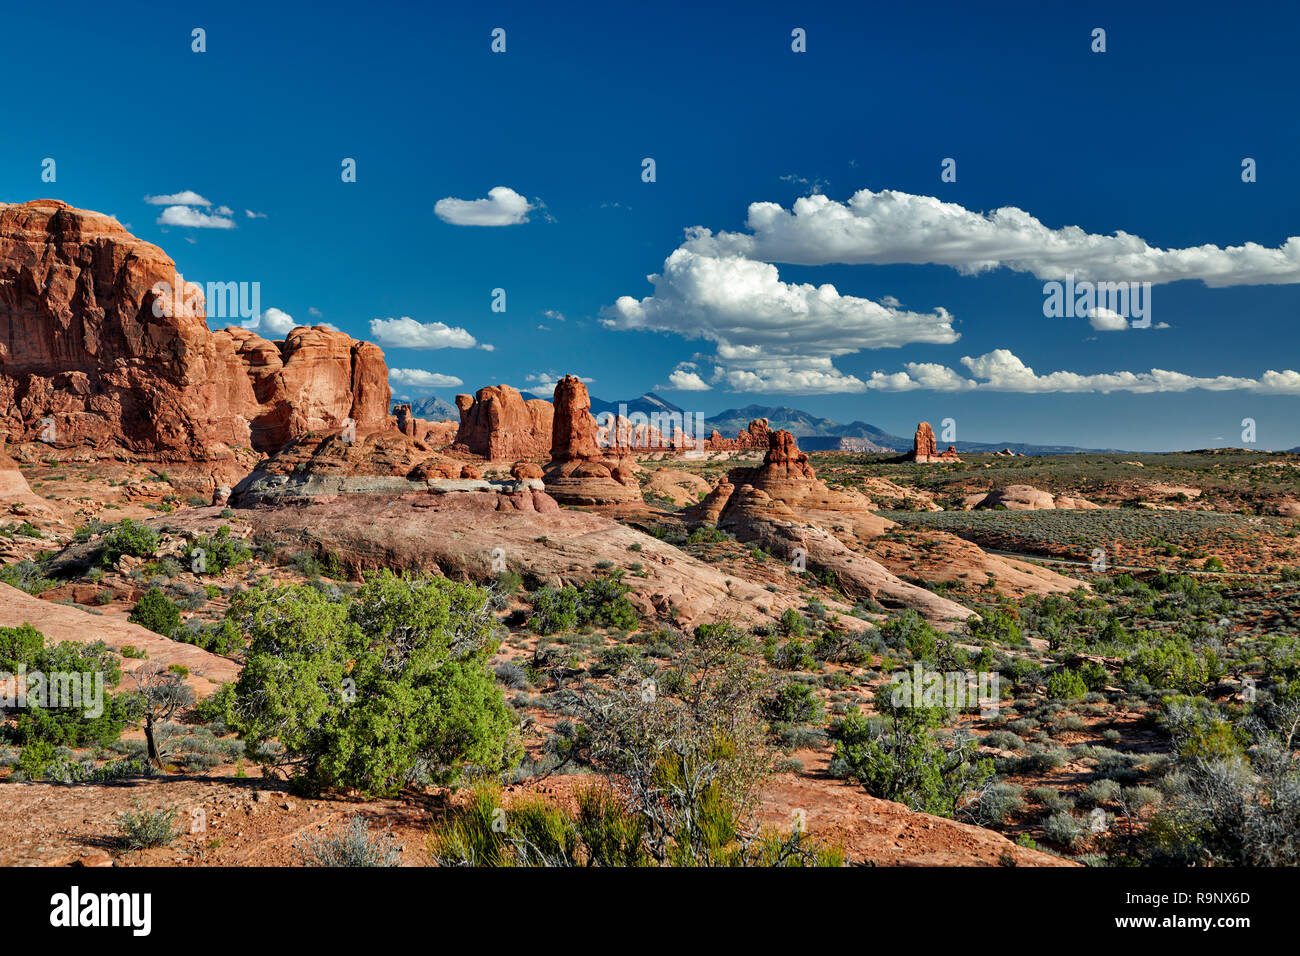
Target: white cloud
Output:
[
  {"x": 552, "y": 314},
  {"x": 313, "y": 311},
  {"x": 1104, "y": 320},
  {"x": 186, "y": 197},
  {"x": 503, "y": 207},
  {"x": 771, "y": 335},
  {"x": 419, "y": 378},
  {"x": 254, "y": 215},
  {"x": 191, "y": 218},
  {"x": 889, "y": 227},
  {"x": 1003, "y": 371},
  {"x": 276, "y": 322},
  {"x": 687, "y": 381},
  {"x": 406, "y": 333},
  {"x": 224, "y": 211}
]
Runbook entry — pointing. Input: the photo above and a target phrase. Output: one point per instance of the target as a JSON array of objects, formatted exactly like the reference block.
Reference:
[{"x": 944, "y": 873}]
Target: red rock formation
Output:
[
  {"x": 97, "y": 341},
  {"x": 923, "y": 447},
  {"x": 579, "y": 471},
  {"x": 497, "y": 424},
  {"x": 573, "y": 433},
  {"x": 757, "y": 435}
]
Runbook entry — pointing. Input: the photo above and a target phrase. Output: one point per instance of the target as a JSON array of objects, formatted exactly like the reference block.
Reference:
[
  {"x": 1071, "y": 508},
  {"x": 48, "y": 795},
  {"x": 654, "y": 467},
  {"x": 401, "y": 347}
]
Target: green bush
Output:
[
  {"x": 898, "y": 758},
  {"x": 143, "y": 828},
  {"x": 157, "y": 612},
  {"x": 387, "y": 689},
  {"x": 1065, "y": 684},
  {"x": 598, "y": 602},
  {"x": 791, "y": 623},
  {"x": 793, "y": 703},
  {"x": 128, "y": 537},
  {"x": 216, "y": 553}
]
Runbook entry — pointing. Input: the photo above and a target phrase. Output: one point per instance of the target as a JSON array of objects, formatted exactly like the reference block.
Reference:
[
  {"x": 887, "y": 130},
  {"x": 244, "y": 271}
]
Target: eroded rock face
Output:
[
  {"x": 84, "y": 359},
  {"x": 924, "y": 450},
  {"x": 757, "y": 435},
  {"x": 579, "y": 472},
  {"x": 497, "y": 424}
]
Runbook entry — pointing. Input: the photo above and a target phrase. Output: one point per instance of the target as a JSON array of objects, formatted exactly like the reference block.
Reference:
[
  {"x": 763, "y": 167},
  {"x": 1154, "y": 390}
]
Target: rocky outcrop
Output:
[
  {"x": 103, "y": 344},
  {"x": 923, "y": 448},
  {"x": 1027, "y": 498},
  {"x": 756, "y": 436},
  {"x": 497, "y": 424},
  {"x": 580, "y": 473}
]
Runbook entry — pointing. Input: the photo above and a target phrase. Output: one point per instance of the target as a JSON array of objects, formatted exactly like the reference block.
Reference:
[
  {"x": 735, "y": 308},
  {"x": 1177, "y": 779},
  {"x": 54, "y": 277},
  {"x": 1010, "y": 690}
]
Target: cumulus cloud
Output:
[
  {"x": 407, "y": 333},
  {"x": 191, "y": 218},
  {"x": 770, "y": 335},
  {"x": 503, "y": 207},
  {"x": 186, "y": 197},
  {"x": 1003, "y": 371},
  {"x": 890, "y": 227},
  {"x": 276, "y": 322},
  {"x": 254, "y": 215},
  {"x": 685, "y": 380},
  {"x": 1104, "y": 320},
  {"x": 419, "y": 378}
]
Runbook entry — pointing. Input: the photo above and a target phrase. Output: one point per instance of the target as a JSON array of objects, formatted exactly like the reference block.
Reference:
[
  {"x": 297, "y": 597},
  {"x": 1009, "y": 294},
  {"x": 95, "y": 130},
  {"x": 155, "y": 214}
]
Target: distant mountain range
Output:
[
  {"x": 814, "y": 433},
  {"x": 434, "y": 409}
]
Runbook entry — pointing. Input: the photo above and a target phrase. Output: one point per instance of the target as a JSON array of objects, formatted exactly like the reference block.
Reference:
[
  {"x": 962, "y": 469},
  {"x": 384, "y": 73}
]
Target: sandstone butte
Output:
[
  {"x": 580, "y": 471},
  {"x": 82, "y": 349},
  {"x": 923, "y": 447},
  {"x": 497, "y": 423}
]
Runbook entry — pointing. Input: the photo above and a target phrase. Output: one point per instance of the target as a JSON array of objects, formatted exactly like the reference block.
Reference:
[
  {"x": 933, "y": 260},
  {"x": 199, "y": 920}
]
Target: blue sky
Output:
[{"x": 1146, "y": 138}]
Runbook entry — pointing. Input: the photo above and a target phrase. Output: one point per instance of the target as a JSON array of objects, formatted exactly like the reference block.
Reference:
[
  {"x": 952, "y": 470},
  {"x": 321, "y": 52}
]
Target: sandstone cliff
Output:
[{"x": 95, "y": 349}]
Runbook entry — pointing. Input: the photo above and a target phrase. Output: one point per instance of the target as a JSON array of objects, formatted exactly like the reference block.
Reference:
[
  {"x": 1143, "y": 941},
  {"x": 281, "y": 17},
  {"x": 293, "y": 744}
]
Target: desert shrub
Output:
[
  {"x": 997, "y": 626},
  {"x": 899, "y": 758},
  {"x": 1234, "y": 796},
  {"x": 512, "y": 675},
  {"x": 793, "y": 703},
  {"x": 217, "y": 637},
  {"x": 913, "y": 633},
  {"x": 1002, "y": 740},
  {"x": 791, "y": 623},
  {"x": 793, "y": 655},
  {"x": 599, "y": 602},
  {"x": 349, "y": 845},
  {"x": 1064, "y": 829},
  {"x": 998, "y": 803},
  {"x": 216, "y": 552},
  {"x": 27, "y": 575},
  {"x": 156, "y": 612},
  {"x": 143, "y": 829},
  {"x": 1065, "y": 684},
  {"x": 58, "y": 711},
  {"x": 388, "y": 688},
  {"x": 128, "y": 537},
  {"x": 1100, "y": 791},
  {"x": 840, "y": 648},
  {"x": 684, "y": 750}
]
